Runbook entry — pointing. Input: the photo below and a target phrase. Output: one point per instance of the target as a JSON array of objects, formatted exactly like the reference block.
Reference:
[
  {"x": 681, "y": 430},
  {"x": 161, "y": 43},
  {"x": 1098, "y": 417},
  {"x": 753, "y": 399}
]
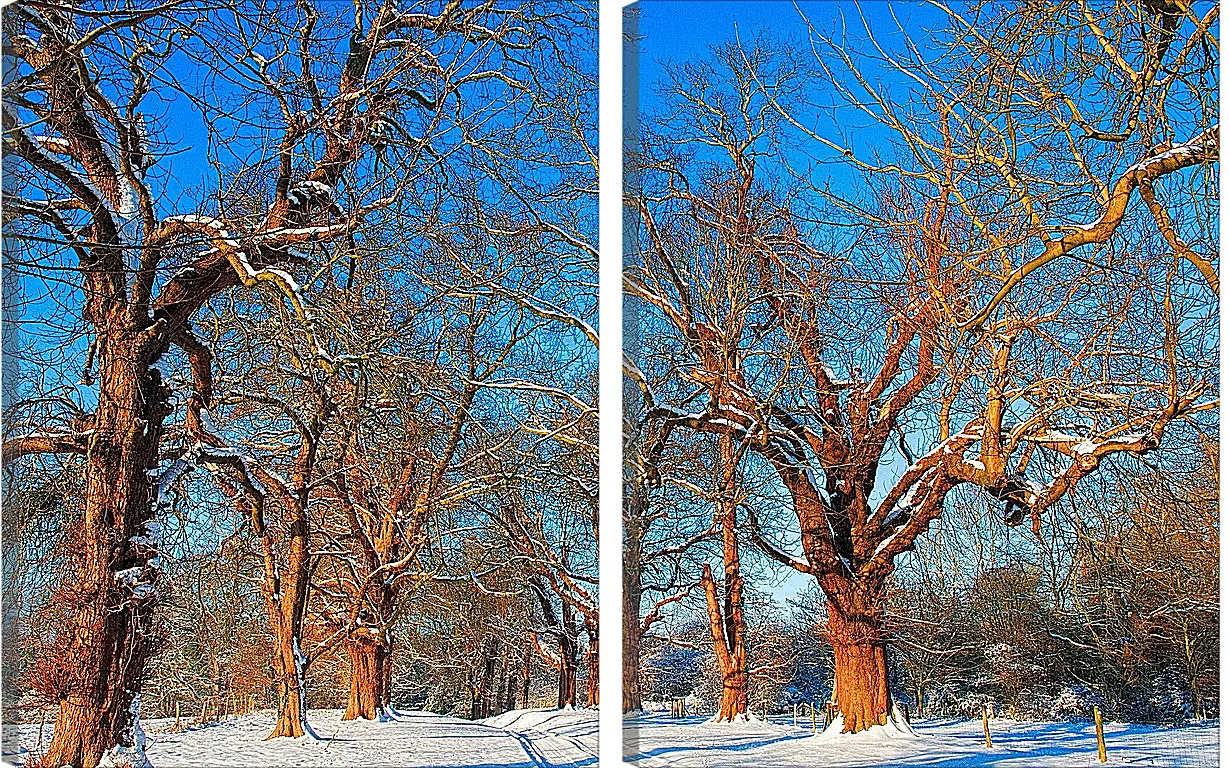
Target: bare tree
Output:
[
  {"x": 350, "y": 128},
  {"x": 725, "y": 612},
  {"x": 942, "y": 336}
]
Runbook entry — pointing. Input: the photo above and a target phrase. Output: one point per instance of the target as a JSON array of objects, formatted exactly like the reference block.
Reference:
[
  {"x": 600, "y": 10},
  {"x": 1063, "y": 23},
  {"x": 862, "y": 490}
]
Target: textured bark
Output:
[
  {"x": 292, "y": 695},
  {"x": 286, "y": 603},
  {"x": 108, "y": 640},
  {"x": 731, "y": 654},
  {"x": 569, "y": 655},
  {"x": 632, "y": 631},
  {"x": 859, "y": 646},
  {"x": 487, "y": 693},
  {"x": 725, "y": 613},
  {"x": 526, "y": 676},
  {"x": 369, "y": 661},
  {"x": 593, "y": 673}
]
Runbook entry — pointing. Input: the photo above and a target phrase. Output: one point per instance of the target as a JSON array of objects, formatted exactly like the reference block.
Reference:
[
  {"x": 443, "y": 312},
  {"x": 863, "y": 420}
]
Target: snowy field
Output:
[
  {"x": 521, "y": 739},
  {"x": 655, "y": 741}
]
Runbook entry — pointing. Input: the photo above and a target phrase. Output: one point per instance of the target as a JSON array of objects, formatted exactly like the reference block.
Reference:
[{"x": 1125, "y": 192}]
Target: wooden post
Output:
[
  {"x": 177, "y": 726},
  {"x": 204, "y": 710},
  {"x": 1096, "y": 718},
  {"x": 42, "y": 722},
  {"x": 795, "y": 714},
  {"x": 985, "y": 725},
  {"x": 814, "y": 726}
]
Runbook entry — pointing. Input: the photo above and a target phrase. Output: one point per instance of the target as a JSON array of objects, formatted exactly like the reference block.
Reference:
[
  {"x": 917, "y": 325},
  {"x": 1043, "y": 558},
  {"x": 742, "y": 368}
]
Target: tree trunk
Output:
[
  {"x": 632, "y": 597},
  {"x": 509, "y": 702},
  {"x": 474, "y": 695},
  {"x": 859, "y": 646},
  {"x": 726, "y": 622},
  {"x": 292, "y": 691},
  {"x": 369, "y": 658},
  {"x": 286, "y": 602},
  {"x": 731, "y": 652},
  {"x": 568, "y": 659},
  {"x": 488, "y": 677},
  {"x": 387, "y": 683},
  {"x": 592, "y": 671},
  {"x": 526, "y": 677},
  {"x": 107, "y": 643}
]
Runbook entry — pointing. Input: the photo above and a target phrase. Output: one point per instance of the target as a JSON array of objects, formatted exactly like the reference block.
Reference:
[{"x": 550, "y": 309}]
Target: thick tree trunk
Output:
[
  {"x": 107, "y": 643},
  {"x": 285, "y": 590},
  {"x": 369, "y": 659},
  {"x": 731, "y": 652},
  {"x": 859, "y": 646},
  {"x": 286, "y": 602},
  {"x": 632, "y": 597},
  {"x": 288, "y": 664}
]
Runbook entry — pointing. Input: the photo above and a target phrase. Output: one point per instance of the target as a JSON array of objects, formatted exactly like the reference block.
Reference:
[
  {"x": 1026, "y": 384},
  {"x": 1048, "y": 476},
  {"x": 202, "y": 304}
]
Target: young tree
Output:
[
  {"x": 655, "y": 543},
  {"x": 403, "y": 464},
  {"x": 725, "y": 611}
]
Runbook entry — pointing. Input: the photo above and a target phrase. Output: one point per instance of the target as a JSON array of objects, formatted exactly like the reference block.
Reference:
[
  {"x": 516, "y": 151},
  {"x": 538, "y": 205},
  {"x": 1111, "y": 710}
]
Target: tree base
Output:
[
  {"x": 742, "y": 718},
  {"x": 896, "y": 727},
  {"x": 125, "y": 757},
  {"x": 292, "y": 727}
]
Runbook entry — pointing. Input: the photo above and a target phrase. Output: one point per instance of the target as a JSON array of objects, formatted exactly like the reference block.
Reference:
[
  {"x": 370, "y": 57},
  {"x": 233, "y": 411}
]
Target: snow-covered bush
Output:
[
  {"x": 971, "y": 705},
  {"x": 1074, "y": 702}
]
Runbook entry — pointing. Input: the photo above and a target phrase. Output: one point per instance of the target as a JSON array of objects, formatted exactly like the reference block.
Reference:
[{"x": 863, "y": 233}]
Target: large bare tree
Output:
[{"x": 956, "y": 367}]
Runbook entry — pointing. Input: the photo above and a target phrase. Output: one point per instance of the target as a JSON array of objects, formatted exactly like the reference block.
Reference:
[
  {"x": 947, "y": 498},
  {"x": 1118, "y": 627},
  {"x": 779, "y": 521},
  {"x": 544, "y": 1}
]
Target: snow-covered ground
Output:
[
  {"x": 533, "y": 738},
  {"x": 655, "y": 741}
]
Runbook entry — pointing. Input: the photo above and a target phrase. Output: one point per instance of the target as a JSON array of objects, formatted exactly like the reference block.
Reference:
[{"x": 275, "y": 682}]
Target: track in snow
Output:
[{"x": 524, "y": 739}]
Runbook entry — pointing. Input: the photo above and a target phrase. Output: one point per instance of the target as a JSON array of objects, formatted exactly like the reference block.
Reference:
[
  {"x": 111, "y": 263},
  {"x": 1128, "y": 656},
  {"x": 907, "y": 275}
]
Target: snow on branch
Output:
[
  {"x": 529, "y": 386},
  {"x": 1204, "y": 148},
  {"x": 45, "y": 442},
  {"x": 772, "y": 550}
]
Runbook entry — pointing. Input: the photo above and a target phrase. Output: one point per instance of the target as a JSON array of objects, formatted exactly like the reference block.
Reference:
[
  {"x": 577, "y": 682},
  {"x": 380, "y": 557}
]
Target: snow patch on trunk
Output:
[{"x": 130, "y": 756}]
